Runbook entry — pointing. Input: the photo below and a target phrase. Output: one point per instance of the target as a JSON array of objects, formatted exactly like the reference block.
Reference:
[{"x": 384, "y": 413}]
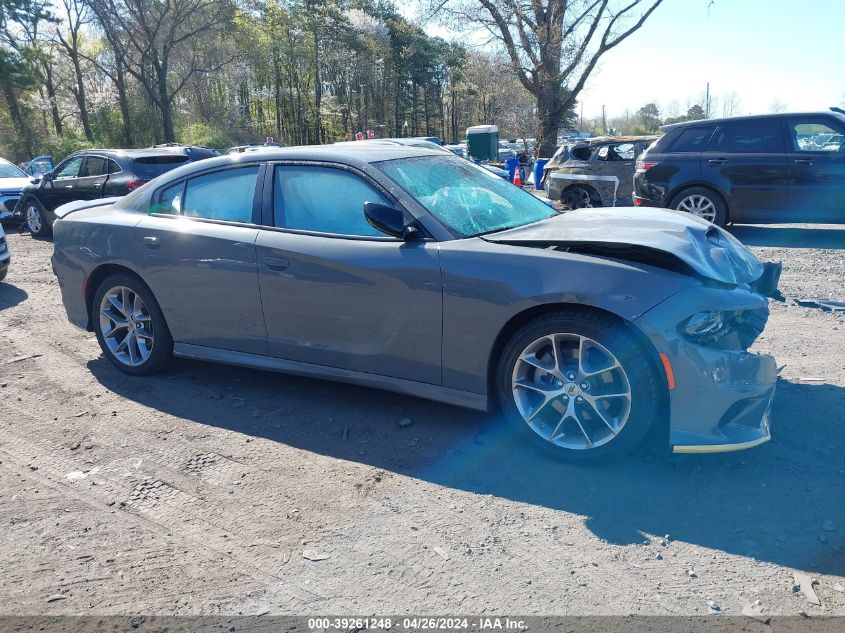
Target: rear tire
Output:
[
  {"x": 130, "y": 326},
  {"x": 579, "y": 197},
  {"x": 703, "y": 203},
  {"x": 575, "y": 409},
  {"x": 35, "y": 218}
]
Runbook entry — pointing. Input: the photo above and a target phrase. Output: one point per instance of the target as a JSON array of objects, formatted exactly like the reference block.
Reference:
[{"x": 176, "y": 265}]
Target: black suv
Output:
[
  {"x": 768, "y": 168},
  {"x": 88, "y": 175}
]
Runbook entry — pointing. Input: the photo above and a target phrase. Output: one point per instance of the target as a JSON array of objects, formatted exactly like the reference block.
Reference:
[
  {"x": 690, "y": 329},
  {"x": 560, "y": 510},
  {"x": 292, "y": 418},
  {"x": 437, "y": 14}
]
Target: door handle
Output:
[
  {"x": 717, "y": 161},
  {"x": 68, "y": 186},
  {"x": 276, "y": 263},
  {"x": 803, "y": 161},
  {"x": 152, "y": 242}
]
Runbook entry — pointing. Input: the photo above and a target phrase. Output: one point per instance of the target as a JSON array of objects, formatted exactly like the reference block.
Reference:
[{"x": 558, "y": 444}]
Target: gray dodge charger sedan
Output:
[{"x": 409, "y": 270}]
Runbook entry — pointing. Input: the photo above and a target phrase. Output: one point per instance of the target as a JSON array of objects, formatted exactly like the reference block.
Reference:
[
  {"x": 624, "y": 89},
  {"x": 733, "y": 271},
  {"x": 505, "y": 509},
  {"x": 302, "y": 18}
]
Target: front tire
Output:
[
  {"x": 35, "y": 218},
  {"x": 130, "y": 326},
  {"x": 703, "y": 203},
  {"x": 580, "y": 385}
]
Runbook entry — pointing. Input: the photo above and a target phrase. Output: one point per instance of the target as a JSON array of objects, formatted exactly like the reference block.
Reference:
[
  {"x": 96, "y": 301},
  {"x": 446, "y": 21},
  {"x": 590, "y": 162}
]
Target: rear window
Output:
[
  {"x": 693, "y": 139},
  {"x": 148, "y": 167},
  {"x": 747, "y": 137}
]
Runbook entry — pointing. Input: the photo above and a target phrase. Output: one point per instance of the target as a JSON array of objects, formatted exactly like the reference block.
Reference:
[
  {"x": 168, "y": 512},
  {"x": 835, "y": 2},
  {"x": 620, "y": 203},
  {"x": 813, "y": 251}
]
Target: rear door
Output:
[
  {"x": 196, "y": 251},
  {"x": 336, "y": 292},
  {"x": 92, "y": 178},
  {"x": 747, "y": 158},
  {"x": 817, "y": 162}
]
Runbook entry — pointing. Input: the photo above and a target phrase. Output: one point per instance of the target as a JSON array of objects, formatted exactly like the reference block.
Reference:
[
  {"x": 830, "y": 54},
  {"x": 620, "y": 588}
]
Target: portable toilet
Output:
[{"x": 483, "y": 142}]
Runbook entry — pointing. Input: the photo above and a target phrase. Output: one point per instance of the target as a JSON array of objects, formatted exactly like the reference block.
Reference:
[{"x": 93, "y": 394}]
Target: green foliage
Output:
[
  {"x": 60, "y": 146},
  {"x": 204, "y": 135}
]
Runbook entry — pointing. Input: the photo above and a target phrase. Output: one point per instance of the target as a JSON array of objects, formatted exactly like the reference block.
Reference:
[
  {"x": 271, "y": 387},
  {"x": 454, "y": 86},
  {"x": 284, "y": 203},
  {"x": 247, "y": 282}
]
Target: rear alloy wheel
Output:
[
  {"x": 130, "y": 326},
  {"x": 581, "y": 384},
  {"x": 36, "y": 219},
  {"x": 578, "y": 198},
  {"x": 702, "y": 203}
]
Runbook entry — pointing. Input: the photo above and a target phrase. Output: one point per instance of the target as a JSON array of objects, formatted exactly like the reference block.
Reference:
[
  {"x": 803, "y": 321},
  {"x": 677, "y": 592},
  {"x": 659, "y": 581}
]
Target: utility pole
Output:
[
  {"x": 581, "y": 127},
  {"x": 603, "y": 120},
  {"x": 707, "y": 102}
]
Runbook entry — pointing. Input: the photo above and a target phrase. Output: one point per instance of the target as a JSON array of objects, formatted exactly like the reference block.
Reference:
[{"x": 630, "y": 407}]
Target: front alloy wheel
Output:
[
  {"x": 571, "y": 391},
  {"x": 579, "y": 384},
  {"x": 36, "y": 222}
]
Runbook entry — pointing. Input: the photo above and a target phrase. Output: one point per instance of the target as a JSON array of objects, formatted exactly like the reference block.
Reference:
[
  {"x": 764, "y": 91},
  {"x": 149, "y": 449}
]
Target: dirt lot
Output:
[{"x": 206, "y": 490}]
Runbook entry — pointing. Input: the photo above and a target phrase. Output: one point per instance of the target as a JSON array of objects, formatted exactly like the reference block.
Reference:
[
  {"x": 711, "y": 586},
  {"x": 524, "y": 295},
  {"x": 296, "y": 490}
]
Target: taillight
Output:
[
  {"x": 644, "y": 166},
  {"x": 132, "y": 185}
]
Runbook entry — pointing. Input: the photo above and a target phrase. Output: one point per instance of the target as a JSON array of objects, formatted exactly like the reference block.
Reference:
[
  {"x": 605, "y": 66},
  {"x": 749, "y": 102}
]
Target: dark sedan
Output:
[
  {"x": 89, "y": 175},
  {"x": 418, "y": 272}
]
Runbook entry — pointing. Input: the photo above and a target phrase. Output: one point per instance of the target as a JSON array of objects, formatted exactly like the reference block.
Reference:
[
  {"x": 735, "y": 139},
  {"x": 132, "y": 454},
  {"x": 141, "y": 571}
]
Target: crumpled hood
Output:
[{"x": 710, "y": 251}]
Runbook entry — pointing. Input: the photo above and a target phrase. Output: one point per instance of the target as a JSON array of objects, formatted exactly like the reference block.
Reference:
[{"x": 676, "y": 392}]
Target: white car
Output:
[
  {"x": 5, "y": 258},
  {"x": 12, "y": 182}
]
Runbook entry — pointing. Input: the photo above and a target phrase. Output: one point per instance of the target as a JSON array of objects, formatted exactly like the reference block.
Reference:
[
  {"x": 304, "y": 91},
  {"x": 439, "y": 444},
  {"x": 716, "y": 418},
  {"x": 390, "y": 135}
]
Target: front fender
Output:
[{"x": 487, "y": 285}]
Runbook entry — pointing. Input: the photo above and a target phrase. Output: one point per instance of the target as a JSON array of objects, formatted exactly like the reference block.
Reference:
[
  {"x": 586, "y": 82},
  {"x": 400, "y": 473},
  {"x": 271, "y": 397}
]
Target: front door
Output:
[
  {"x": 748, "y": 158},
  {"x": 61, "y": 187},
  {"x": 336, "y": 292},
  {"x": 817, "y": 153},
  {"x": 197, "y": 253}
]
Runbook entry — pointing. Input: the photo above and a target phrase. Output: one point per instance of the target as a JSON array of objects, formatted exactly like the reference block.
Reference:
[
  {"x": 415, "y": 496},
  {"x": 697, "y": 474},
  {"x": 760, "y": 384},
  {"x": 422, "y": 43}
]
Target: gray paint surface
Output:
[{"x": 424, "y": 317}]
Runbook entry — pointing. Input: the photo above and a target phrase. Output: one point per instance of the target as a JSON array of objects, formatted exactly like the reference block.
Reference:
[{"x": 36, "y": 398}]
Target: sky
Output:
[{"x": 790, "y": 51}]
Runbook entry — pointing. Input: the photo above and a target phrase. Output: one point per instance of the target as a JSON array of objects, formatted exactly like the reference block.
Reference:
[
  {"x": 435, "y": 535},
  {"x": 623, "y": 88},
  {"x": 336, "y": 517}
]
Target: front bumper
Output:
[
  {"x": 722, "y": 398},
  {"x": 8, "y": 206}
]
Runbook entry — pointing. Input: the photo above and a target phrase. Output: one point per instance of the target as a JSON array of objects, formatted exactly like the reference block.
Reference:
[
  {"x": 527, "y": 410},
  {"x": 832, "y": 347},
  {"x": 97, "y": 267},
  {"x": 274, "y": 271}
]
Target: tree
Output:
[
  {"x": 696, "y": 113},
  {"x": 649, "y": 117},
  {"x": 77, "y": 15},
  {"x": 166, "y": 44},
  {"x": 730, "y": 104},
  {"x": 19, "y": 19},
  {"x": 778, "y": 106},
  {"x": 553, "y": 45}
]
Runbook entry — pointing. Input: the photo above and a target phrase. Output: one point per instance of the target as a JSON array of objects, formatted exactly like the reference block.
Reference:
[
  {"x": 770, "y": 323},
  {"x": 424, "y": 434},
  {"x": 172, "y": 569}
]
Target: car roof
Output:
[
  {"x": 607, "y": 140},
  {"x": 354, "y": 154},
  {"x": 126, "y": 153},
  {"x": 754, "y": 117}
]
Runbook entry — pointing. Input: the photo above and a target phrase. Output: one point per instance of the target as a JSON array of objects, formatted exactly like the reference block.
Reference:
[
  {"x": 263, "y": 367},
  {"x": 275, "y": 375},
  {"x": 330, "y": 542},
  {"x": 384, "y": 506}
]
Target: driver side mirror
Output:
[{"x": 389, "y": 220}]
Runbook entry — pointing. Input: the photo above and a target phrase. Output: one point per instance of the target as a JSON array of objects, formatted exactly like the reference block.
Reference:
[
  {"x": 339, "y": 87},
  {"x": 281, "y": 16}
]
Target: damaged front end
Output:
[{"x": 720, "y": 394}]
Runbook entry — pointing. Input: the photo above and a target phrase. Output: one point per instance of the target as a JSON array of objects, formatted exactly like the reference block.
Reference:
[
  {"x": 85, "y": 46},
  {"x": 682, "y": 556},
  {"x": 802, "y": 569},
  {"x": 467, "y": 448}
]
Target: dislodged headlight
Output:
[
  {"x": 735, "y": 330},
  {"x": 703, "y": 326}
]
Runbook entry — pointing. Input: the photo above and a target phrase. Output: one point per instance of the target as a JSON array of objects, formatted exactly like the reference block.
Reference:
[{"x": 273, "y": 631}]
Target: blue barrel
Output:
[
  {"x": 512, "y": 164},
  {"x": 538, "y": 172}
]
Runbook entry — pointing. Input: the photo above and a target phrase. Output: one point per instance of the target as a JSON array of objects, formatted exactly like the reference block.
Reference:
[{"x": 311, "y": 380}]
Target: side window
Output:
[
  {"x": 222, "y": 195},
  {"x": 751, "y": 137},
  {"x": 581, "y": 153},
  {"x": 170, "y": 200},
  {"x": 692, "y": 139},
  {"x": 92, "y": 166},
  {"x": 113, "y": 167},
  {"x": 70, "y": 168},
  {"x": 809, "y": 135},
  {"x": 623, "y": 151},
  {"x": 323, "y": 199}
]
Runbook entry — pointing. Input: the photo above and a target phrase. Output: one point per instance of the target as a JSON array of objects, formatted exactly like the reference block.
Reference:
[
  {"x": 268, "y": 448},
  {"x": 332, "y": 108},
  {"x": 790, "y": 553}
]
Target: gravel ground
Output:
[{"x": 219, "y": 490}]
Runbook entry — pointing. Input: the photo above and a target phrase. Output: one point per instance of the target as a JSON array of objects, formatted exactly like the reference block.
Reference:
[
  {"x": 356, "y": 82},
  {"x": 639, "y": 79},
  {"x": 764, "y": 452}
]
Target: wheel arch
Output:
[
  {"x": 521, "y": 318},
  {"x": 97, "y": 276}
]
